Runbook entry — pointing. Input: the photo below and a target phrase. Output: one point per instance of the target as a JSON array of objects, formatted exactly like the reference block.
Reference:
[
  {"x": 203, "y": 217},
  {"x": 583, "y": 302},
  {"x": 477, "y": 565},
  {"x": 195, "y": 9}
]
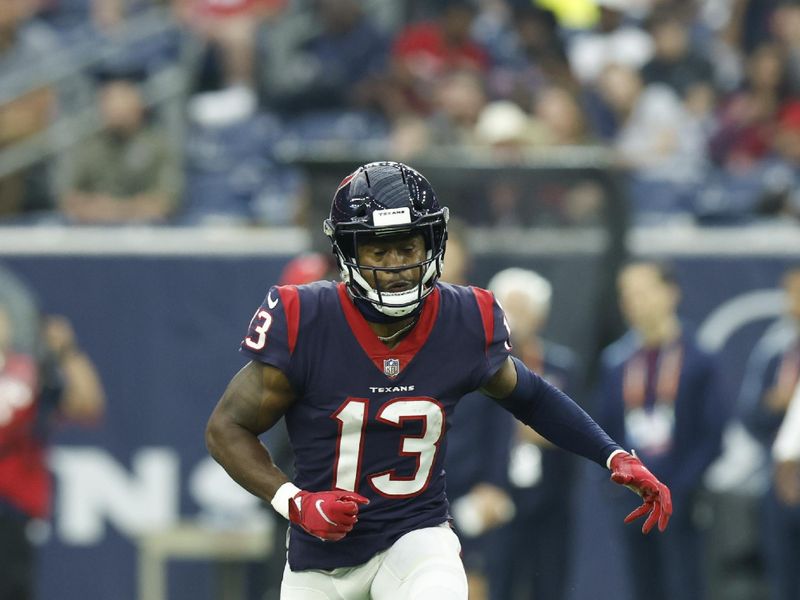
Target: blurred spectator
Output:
[
  {"x": 58, "y": 381},
  {"x": 408, "y": 137},
  {"x": 423, "y": 52},
  {"x": 79, "y": 15},
  {"x": 20, "y": 306},
  {"x": 660, "y": 394},
  {"x": 774, "y": 369},
  {"x": 462, "y": 117},
  {"x": 613, "y": 41},
  {"x": 508, "y": 130},
  {"x": 113, "y": 30},
  {"x": 754, "y": 146},
  {"x": 772, "y": 376},
  {"x": 655, "y": 135},
  {"x": 753, "y": 22},
  {"x": 506, "y": 201},
  {"x": 675, "y": 62},
  {"x": 117, "y": 31},
  {"x": 528, "y": 53},
  {"x": 561, "y": 116},
  {"x": 542, "y": 45},
  {"x": 67, "y": 15},
  {"x": 540, "y": 475},
  {"x": 510, "y": 133},
  {"x": 128, "y": 173},
  {"x": 459, "y": 99},
  {"x": 658, "y": 139},
  {"x": 778, "y": 174},
  {"x": 477, "y": 474},
  {"x": 338, "y": 63},
  {"x": 232, "y": 175},
  {"x": 720, "y": 40},
  {"x": 747, "y": 118},
  {"x": 24, "y": 43},
  {"x": 227, "y": 29},
  {"x": 786, "y": 31}
]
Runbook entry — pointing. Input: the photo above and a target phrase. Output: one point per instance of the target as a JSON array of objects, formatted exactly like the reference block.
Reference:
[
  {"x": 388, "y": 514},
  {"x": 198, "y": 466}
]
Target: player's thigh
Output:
[
  {"x": 422, "y": 565},
  {"x": 340, "y": 584}
]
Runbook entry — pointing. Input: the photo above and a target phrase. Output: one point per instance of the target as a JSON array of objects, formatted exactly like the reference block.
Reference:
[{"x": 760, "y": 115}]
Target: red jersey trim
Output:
[
  {"x": 376, "y": 350},
  {"x": 485, "y": 301},
  {"x": 291, "y": 306}
]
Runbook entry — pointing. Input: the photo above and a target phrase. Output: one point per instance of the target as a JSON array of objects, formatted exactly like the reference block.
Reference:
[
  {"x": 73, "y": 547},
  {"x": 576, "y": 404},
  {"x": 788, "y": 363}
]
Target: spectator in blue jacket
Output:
[
  {"x": 774, "y": 369},
  {"x": 772, "y": 376},
  {"x": 659, "y": 391}
]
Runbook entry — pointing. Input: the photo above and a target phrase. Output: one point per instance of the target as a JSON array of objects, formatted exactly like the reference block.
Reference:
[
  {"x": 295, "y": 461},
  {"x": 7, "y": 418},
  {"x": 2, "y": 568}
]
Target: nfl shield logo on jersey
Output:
[{"x": 391, "y": 367}]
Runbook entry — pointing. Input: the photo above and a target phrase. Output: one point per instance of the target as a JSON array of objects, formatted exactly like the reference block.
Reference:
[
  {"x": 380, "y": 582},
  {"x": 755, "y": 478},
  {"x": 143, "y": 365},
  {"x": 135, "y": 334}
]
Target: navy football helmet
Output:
[{"x": 387, "y": 198}]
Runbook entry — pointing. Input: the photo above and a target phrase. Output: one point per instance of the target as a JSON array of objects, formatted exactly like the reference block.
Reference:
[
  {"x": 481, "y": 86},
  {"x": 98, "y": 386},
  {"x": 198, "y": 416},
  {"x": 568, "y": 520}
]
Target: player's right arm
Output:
[{"x": 255, "y": 399}]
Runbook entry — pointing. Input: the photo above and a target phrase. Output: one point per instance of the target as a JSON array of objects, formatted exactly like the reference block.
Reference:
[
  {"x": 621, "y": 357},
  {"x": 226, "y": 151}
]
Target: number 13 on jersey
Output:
[
  {"x": 352, "y": 419},
  {"x": 260, "y": 324}
]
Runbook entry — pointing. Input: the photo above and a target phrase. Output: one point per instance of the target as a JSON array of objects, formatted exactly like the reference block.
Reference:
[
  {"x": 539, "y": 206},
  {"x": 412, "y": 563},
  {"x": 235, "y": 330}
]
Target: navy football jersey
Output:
[{"x": 370, "y": 419}]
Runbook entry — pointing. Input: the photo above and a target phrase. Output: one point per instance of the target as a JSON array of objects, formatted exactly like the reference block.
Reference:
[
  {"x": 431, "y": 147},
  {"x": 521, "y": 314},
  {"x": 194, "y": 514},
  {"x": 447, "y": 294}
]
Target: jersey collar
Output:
[{"x": 376, "y": 350}]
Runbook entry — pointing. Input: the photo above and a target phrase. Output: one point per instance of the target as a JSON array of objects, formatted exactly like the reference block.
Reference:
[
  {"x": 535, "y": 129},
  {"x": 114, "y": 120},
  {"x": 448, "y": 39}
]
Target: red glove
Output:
[
  {"x": 327, "y": 515},
  {"x": 628, "y": 470}
]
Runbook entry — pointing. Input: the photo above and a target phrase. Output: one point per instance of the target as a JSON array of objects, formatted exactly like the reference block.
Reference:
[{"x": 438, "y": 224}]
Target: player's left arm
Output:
[{"x": 559, "y": 419}]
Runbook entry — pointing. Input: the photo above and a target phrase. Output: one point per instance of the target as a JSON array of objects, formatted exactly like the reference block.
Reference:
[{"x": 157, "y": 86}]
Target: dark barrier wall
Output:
[{"x": 164, "y": 334}]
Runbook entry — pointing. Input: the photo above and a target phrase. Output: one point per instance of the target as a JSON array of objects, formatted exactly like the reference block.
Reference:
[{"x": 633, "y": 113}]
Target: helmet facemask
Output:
[{"x": 346, "y": 239}]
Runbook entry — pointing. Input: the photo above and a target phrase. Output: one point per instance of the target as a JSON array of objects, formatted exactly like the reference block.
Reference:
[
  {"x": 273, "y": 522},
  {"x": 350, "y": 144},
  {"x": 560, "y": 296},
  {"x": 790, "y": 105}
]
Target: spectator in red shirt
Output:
[
  {"x": 424, "y": 51},
  {"x": 31, "y": 388}
]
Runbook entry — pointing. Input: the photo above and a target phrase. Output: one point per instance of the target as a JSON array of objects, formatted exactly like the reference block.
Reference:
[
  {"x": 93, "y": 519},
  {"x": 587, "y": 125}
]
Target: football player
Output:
[{"x": 366, "y": 373}]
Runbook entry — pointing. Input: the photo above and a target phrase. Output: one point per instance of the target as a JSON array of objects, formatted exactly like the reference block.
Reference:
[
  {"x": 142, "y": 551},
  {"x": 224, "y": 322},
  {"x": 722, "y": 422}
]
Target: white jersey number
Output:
[
  {"x": 259, "y": 331},
  {"x": 352, "y": 417}
]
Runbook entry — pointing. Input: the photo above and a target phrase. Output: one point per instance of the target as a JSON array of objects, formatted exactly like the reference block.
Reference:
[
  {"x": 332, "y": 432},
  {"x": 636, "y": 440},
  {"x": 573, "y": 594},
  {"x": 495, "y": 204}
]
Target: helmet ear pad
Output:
[{"x": 383, "y": 199}]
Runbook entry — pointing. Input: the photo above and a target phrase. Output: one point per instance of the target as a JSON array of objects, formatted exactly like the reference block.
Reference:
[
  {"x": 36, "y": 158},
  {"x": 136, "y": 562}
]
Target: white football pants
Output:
[{"x": 424, "y": 564}]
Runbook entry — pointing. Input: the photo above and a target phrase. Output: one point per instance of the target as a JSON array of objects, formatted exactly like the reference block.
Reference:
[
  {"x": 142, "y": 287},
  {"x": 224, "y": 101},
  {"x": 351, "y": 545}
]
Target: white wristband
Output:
[
  {"x": 280, "y": 501},
  {"x": 613, "y": 454}
]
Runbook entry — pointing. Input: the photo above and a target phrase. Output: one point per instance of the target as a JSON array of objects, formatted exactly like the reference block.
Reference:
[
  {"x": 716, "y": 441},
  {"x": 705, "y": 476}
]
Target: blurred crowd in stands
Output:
[{"x": 699, "y": 100}]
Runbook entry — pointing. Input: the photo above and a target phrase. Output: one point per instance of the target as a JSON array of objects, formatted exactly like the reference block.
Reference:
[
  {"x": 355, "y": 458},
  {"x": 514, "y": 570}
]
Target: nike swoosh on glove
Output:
[
  {"x": 327, "y": 515},
  {"x": 628, "y": 470}
]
